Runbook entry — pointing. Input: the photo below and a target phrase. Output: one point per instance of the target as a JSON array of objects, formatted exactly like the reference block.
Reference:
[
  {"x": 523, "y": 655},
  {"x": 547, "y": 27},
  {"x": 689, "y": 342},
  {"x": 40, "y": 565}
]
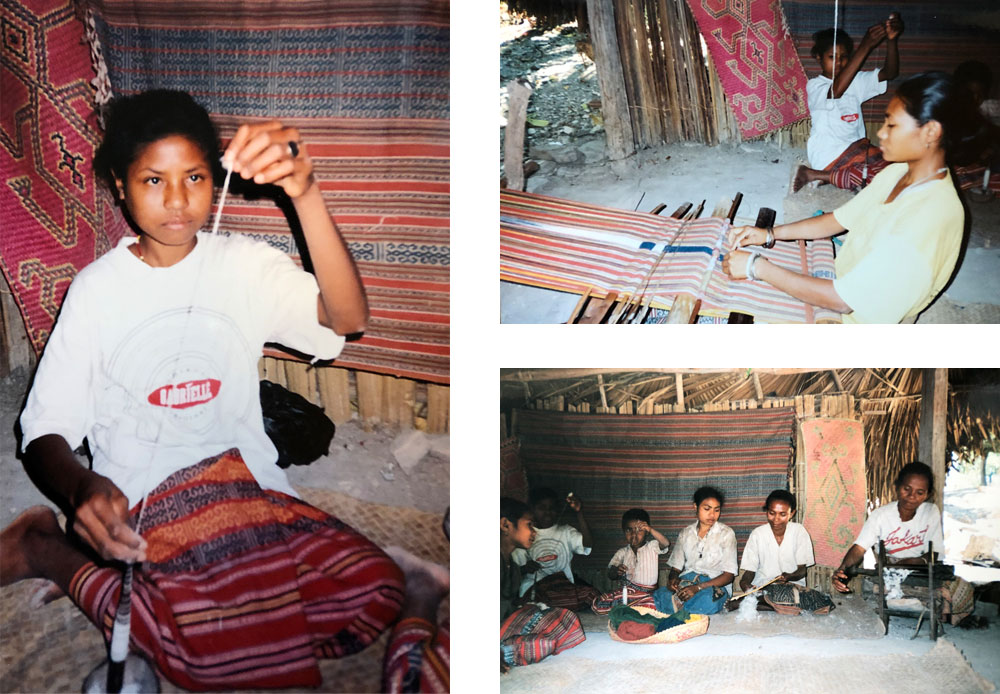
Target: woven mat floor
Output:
[
  {"x": 942, "y": 669},
  {"x": 52, "y": 648}
]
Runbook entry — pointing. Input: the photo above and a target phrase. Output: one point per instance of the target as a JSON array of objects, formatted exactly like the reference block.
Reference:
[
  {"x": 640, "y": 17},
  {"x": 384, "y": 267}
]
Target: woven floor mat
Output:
[
  {"x": 53, "y": 647},
  {"x": 942, "y": 669}
]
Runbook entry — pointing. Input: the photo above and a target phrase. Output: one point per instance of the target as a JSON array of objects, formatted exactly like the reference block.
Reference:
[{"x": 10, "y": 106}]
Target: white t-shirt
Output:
[
  {"x": 642, "y": 566},
  {"x": 553, "y": 549},
  {"x": 157, "y": 367},
  {"x": 902, "y": 540},
  {"x": 837, "y": 123},
  {"x": 710, "y": 555},
  {"x": 764, "y": 556}
]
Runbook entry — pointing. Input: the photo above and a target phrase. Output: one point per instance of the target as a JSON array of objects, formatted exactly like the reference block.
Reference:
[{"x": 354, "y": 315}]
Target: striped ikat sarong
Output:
[
  {"x": 529, "y": 634},
  {"x": 638, "y": 595},
  {"x": 244, "y": 588},
  {"x": 417, "y": 658}
]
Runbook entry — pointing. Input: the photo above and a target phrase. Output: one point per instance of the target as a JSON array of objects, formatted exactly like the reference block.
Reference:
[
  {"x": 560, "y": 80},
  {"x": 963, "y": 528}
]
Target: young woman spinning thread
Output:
[{"x": 154, "y": 361}]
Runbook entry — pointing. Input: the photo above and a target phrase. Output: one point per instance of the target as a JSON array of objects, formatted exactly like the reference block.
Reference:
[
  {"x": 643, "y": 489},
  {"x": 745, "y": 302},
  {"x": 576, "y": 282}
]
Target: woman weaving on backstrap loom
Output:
[
  {"x": 905, "y": 227},
  {"x": 154, "y": 361}
]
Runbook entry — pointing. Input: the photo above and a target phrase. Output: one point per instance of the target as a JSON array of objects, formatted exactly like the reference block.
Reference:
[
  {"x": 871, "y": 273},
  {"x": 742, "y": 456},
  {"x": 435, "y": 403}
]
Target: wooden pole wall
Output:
[
  {"x": 614, "y": 99},
  {"x": 933, "y": 427},
  {"x": 377, "y": 399},
  {"x": 660, "y": 80}
]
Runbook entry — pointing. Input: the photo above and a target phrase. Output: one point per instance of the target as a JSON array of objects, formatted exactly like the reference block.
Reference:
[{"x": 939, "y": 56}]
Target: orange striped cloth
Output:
[
  {"x": 575, "y": 247},
  {"x": 244, "y": 588}
]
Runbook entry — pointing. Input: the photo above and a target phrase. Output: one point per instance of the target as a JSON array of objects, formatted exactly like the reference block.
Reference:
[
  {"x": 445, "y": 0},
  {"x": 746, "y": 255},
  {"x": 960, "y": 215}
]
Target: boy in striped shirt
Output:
[{"x": 636, "y": 565}]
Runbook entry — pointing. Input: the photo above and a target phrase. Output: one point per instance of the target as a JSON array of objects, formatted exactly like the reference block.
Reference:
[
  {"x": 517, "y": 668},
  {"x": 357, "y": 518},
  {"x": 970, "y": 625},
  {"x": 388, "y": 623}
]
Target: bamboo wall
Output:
[{"x": 399, "y": 402}]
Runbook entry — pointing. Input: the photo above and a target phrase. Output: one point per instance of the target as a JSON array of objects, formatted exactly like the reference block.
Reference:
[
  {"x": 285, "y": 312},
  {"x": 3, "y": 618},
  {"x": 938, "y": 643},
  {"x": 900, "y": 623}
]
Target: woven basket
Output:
[{"x": 681, "y": 632}]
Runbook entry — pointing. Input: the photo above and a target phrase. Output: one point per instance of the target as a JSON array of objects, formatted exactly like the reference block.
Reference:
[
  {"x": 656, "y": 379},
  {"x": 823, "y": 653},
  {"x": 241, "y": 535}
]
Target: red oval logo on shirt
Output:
[
  {"x": 849, "y": 117},
  {"x": 547, "y": 557},
  {"x": 185, "y": 394}
]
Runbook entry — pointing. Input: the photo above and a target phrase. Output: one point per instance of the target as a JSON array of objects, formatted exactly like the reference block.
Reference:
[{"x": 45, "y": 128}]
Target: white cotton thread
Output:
[
  {"x": 894, "y": 582},
  {"x": 222, "y": 198},
  {"x": 748, "y": 610}
]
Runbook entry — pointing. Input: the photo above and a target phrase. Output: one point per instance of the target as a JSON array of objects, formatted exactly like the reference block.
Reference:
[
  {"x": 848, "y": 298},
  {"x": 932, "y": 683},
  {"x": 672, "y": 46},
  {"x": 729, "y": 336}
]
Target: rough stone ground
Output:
[{"x": 571, "y": 157}]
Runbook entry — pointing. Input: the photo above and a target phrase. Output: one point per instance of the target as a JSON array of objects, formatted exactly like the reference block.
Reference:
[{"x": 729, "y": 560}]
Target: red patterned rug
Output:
[
  {"x": 756, "y": 60},
  {"x": 55, "y": 218},
  {"x": 835, "y": 490}
]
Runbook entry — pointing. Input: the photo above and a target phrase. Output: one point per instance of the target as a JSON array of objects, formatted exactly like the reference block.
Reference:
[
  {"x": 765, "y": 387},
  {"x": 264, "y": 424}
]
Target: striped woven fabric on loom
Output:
[
  {"x": 574, "y": 247},
  {"x": 655, "y": 462},
  {"x": 367, "y": 84}
]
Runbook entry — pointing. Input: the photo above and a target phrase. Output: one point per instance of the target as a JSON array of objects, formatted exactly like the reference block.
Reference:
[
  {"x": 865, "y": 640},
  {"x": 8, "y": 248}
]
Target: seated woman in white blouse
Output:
[
  {"x": 703, "y": 562},
  {"x": 779, "y": 548}
]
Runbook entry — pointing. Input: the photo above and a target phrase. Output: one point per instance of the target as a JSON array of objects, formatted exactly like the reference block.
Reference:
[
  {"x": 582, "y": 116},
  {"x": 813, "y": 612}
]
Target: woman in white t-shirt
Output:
[
  {"x": 835, "y": 97},
  {"x": 780, "y": 547},
  {"x": 906, "y": 525}
]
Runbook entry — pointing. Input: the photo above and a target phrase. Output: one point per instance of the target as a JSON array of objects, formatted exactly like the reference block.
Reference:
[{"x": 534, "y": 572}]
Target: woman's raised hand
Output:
[
  {"x": 271, "y": 153},
  {"x": 746, "y": 236}
]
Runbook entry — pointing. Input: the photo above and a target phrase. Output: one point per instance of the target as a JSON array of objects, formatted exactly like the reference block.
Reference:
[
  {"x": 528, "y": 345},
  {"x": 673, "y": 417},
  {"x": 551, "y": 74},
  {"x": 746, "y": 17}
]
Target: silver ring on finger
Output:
[{"x": 293, "y": 148}]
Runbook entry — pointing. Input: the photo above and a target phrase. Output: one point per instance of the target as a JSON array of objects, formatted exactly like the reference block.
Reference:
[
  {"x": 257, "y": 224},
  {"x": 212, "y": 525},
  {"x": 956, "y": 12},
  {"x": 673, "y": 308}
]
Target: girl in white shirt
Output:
[
  {"x": 780, "y": 547},
  {"x": 835, "y": 98},
  {"x": 703, "y": 562}
]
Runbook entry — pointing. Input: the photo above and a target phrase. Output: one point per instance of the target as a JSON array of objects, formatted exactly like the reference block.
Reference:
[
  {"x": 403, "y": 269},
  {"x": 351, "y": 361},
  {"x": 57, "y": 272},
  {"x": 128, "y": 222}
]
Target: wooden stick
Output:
[{"x": 754, "y": 590}]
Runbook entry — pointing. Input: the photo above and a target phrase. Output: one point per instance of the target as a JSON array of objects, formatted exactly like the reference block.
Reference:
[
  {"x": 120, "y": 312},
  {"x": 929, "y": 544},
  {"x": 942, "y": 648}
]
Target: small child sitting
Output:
[
  {"x": 636, "y": 565},
  {"x": 545, "y": 567},
  {"x": 528, "y": 632},
  {"x": 838, "y": 137}
]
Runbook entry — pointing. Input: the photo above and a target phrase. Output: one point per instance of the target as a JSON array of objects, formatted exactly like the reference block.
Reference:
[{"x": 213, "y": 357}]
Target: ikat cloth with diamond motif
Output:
[{"x": 756, "y": 61}]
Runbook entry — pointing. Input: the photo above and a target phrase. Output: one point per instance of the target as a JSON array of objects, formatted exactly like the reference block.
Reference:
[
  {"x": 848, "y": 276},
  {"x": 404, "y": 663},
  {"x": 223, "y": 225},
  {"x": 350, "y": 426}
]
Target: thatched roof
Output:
[{"x": 887, "y": 401}]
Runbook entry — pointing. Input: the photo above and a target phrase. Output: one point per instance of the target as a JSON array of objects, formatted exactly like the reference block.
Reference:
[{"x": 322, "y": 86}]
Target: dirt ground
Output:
[{"x": 569, "y": 149}]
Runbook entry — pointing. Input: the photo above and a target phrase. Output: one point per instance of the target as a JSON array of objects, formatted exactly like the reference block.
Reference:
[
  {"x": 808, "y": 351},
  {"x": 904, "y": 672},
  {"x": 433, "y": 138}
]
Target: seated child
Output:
[
  {"x": 636, "y": 565},
  {"x": 838, "y": 137},
  {"x": 545, "y": 568},
  {"x": 528, "y": 633},
  {"x": 703, "y": 562}
]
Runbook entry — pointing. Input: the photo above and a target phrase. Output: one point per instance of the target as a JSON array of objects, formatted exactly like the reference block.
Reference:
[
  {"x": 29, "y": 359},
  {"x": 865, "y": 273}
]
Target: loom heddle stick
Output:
[{"x": 680, "y": 230}]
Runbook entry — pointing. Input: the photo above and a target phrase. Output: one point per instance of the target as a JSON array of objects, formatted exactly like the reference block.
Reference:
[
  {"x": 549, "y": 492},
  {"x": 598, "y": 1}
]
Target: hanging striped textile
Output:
[
  {"x": 572, "y": 247},
  {"x": 367, "y": 85},
  {"x": 616, "y": 462}
]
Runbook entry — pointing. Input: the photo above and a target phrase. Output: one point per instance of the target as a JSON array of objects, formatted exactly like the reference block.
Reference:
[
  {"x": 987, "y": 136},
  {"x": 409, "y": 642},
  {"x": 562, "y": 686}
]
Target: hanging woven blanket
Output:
[
  {"x": 575, "y": 247},
  {"x": 366, "y": 84},
  {"x": 835, "y": 487},
  {"x": 756, "y": 61},
  {"x": 655, "y": 462},
  {"x": 55, "y": 218}
]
